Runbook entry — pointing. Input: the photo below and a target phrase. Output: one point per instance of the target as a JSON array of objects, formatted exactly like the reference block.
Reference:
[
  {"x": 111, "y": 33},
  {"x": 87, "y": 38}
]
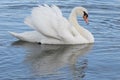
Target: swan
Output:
[{"x": 51, "y": 27}]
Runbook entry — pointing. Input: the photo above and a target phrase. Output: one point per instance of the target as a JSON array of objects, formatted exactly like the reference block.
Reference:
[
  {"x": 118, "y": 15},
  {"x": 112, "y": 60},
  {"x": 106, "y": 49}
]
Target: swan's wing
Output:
[
  {"x": 49, "y": 22},
  {"x": 29, "y": 22}
]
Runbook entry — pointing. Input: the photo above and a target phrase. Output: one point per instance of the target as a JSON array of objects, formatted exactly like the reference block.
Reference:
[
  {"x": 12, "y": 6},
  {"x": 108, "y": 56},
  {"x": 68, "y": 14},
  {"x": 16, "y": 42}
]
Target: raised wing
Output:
[{"x": 49, "y": 22}]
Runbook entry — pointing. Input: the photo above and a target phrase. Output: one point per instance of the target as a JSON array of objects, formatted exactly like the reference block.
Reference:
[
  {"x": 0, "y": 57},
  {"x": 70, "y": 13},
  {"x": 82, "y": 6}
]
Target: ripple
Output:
[
  {"x": 20, "y": 6},
  {"x": 28, "y": 60}
]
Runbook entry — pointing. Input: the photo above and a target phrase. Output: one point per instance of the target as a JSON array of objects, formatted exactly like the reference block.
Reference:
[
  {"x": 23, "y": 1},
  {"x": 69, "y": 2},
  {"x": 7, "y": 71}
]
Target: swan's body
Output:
[{"x": 52, "y": 28}]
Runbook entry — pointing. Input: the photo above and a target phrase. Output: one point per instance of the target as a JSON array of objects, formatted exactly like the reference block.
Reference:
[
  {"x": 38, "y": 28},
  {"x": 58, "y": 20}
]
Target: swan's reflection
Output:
[{"x": 49, "y": 59}]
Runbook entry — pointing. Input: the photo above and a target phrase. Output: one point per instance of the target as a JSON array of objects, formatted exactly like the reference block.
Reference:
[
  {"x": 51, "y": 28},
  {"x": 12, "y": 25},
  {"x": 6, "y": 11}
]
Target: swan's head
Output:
[{"x": 83, "y": 12}]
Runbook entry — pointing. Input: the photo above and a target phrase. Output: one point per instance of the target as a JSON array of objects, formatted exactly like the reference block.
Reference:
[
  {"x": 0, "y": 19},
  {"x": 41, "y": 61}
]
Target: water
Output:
[{"x": 28, "y": 61}]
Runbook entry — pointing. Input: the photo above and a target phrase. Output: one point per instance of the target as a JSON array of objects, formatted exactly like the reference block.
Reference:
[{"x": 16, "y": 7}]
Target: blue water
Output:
[{"x": 27, "y": 61}]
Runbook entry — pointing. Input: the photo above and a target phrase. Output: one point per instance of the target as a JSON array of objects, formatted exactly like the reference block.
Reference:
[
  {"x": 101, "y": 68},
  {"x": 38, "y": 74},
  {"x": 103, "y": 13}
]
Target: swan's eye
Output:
[{"x": 85, "y": 14}]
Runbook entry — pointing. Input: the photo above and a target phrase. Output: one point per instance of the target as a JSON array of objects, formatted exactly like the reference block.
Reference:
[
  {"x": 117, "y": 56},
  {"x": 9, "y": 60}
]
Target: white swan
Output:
[{"x": 52, "y": 28}]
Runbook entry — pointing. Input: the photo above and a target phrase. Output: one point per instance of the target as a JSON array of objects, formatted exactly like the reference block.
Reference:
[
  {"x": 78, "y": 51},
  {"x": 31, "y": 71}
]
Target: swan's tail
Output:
[
  {"x": 17, "y": 35},
  {"x": 14, "y": 34},
  {"x": 30, "y": 36}
]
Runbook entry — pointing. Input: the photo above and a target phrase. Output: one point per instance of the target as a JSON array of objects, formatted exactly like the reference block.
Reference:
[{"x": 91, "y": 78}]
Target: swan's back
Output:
[{"x": 45, "y": 20}]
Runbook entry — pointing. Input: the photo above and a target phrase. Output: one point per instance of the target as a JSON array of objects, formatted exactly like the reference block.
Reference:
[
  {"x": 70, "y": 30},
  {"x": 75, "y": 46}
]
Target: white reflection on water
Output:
[{"x": 49, "y": 59}]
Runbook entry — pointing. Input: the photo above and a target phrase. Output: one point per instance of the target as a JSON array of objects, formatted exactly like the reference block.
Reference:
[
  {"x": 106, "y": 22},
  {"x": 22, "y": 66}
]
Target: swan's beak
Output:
[{"x": 86, "y": 19}]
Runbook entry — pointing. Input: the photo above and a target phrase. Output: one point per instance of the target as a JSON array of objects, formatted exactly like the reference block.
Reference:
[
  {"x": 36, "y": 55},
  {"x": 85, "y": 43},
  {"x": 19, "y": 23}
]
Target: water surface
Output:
[{"x": 28, "y": 61}]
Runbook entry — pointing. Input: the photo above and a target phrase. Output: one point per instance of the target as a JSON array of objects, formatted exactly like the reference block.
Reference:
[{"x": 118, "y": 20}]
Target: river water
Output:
[{"x": 27, "y": 61}]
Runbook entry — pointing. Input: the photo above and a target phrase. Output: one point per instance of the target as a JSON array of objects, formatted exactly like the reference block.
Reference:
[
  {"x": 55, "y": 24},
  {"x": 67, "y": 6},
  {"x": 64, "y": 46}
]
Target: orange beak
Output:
[{"x": 85, "y": 19}]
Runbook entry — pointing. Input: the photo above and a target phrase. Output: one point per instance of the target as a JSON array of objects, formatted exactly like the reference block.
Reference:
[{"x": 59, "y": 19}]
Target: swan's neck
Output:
[
  {"x": 74, "y": 22},
  {"x": 83, "y": 32}
]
